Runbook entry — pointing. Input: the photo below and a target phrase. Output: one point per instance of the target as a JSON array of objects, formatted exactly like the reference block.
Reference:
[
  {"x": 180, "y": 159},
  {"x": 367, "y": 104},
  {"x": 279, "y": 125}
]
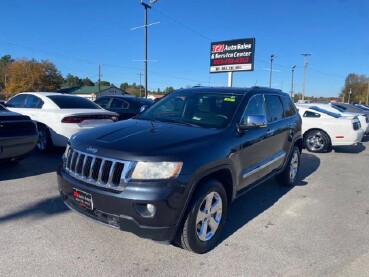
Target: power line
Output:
[{"x": 182, "y": 25}]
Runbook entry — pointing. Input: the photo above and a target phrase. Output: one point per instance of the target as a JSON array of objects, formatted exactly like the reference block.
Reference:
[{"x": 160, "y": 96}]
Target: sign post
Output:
[{"x": 232, "y": 55}]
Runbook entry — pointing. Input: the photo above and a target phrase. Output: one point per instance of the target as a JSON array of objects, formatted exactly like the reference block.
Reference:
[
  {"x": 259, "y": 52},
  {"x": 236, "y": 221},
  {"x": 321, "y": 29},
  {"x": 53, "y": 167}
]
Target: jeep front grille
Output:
[{"x": 95, "y": 170}]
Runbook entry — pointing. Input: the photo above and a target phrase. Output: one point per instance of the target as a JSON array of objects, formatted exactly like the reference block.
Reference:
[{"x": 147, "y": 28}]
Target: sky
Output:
[{"x": 78, "y": 35}]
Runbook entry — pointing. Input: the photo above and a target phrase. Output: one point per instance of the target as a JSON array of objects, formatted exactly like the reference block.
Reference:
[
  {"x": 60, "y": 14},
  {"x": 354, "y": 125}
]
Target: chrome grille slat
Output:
[
  {"x": 96, "y": 170},
  {"x": 111, "y": 173}
]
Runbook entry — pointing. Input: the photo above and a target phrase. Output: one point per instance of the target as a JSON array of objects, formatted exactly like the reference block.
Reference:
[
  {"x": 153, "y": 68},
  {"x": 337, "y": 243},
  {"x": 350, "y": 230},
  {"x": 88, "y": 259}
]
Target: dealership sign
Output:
[{"x": 232, "y": 55}]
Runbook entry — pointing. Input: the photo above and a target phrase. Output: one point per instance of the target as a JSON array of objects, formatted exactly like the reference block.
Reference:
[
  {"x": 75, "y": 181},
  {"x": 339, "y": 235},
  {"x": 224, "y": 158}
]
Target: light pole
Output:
[
  {"x": 349, "y": 96},
  {"x": 272, "y": 57},
  {"x": 293, "y": 71},
  {"x": 146, "y": 6},
  {"x": 304, "y": 77}
]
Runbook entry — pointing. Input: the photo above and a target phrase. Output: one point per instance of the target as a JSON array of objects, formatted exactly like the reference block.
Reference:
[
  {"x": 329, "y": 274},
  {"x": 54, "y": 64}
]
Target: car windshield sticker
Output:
[{"x": 230, "y": 99}]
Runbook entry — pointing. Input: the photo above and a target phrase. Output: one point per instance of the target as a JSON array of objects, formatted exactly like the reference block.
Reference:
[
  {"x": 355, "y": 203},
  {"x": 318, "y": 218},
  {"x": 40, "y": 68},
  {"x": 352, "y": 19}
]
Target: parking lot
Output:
[{"x": 319, "y": 227}]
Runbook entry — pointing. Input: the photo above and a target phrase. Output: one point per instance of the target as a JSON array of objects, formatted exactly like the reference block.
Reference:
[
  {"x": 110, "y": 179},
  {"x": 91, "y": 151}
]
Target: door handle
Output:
[{"x": 270, "y": 132}]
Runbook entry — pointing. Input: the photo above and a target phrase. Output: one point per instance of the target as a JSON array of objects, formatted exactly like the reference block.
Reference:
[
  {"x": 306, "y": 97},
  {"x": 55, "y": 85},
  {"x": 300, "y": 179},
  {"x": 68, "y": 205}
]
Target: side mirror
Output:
[
  {"x": 143, "y": 108},
  {"x": 253, "y": 122}
]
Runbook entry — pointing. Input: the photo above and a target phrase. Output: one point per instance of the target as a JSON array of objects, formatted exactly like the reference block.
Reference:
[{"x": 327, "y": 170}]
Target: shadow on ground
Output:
[
  {"x": 353, "y": 149},
  {"x": 35, "y": 164},
  {"x": 261, "y": 198},
  {"x": 44, "y": 208}
]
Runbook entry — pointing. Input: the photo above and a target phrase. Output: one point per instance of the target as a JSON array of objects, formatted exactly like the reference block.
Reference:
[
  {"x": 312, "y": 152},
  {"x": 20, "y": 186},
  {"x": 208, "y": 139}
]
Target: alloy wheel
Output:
[{"x": 209, "y": 216}]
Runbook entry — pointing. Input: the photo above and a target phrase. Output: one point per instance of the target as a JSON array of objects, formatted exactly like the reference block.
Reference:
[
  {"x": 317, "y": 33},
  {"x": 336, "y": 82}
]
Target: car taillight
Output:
[
  {"x": 356, "y": 125},
  {"x": 81, "y": 118}
]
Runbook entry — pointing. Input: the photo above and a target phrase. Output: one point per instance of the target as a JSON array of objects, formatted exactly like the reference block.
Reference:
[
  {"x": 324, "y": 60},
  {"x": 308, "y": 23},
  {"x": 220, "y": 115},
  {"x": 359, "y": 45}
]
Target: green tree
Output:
[
  {"x": 5, "y": 61},
  {"x": 168, "y": 90},
  {"x": 103, "y": 83},
  {"x": 87, "y": 82},
  {"x": 72, "y": 81},
  {"x": 124, "y": 86},
  {"x": 355, "y": 89}
]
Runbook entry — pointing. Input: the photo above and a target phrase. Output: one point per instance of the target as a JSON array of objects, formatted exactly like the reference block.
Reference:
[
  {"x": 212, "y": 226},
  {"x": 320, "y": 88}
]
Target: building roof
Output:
[{"x": 86, "y": 89}]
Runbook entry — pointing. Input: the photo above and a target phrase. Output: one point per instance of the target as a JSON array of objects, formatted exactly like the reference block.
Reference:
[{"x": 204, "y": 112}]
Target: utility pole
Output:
[
  {"x": 367, "y": 95},
  {"x": 349, "y": 96},
  {"x": 99, "y": 79},
  {"x": 272, "y": 57},
  {"x": 293, "y": 71},
  {"x": 304, "y": 77},
  {"x": 140, "y": 74}
]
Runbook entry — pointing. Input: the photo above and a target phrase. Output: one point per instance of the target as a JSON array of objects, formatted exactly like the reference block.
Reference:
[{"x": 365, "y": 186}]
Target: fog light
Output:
[
  {"x": 145, "y": 210},
  {"x": 151, "y": 208}
]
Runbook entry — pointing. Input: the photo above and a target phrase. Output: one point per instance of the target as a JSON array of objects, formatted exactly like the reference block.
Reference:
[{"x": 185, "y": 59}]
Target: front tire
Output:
[
  {"x": 289, "y": 174},
  {"x": 205, "y": 218},
  {"x": 317, "y": 141}
]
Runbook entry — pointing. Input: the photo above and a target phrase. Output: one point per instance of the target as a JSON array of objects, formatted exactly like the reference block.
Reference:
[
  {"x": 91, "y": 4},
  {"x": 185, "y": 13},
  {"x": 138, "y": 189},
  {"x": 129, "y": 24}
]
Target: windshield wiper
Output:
[{"x": 180, "y": 122}]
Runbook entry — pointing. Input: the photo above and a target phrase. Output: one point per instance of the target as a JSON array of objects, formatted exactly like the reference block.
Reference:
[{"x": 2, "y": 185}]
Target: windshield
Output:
[
  {"x": 336, "y": 115},
  {"x": 209, "y": 110}
]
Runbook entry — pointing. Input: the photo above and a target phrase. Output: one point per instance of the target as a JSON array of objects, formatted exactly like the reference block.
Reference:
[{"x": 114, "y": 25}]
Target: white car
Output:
[
  {"x": 323, "y": 129},
  {"x": 363, "y": 119},
  {"x": 59, "y": 116}
]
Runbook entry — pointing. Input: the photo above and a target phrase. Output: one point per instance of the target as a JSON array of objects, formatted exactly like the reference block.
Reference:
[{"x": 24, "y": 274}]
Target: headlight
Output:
[{"x": 156, "y": 170}]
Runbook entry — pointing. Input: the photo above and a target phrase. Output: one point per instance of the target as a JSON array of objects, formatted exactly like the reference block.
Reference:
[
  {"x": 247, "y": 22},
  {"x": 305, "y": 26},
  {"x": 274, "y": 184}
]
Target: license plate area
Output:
[{"x": 83, "y": 199}]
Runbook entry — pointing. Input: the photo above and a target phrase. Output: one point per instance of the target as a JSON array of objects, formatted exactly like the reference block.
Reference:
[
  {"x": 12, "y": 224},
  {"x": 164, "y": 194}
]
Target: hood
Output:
[{"x": 133, "y": 139}]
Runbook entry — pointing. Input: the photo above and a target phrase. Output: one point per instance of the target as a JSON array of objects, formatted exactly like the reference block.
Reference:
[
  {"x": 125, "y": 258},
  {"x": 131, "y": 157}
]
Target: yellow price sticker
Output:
[{"x": 228, "y": 99}]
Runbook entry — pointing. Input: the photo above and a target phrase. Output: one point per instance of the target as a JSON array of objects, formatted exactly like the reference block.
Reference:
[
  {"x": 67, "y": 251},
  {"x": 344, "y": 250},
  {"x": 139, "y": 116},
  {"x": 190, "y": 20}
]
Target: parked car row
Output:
[
  {"x": 59, "y": 116},
  {"x": 323, "y": 129}
]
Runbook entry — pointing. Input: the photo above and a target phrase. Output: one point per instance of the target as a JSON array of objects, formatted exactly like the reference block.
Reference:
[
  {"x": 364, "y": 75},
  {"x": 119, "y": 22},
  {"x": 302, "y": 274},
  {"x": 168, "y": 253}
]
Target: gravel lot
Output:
[{"x": 318, "y": 228}]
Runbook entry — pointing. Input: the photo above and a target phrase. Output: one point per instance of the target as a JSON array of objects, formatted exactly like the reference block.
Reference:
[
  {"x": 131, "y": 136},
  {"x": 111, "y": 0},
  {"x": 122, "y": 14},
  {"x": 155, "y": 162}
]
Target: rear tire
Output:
[
  {"x": 205, "y": 218},
  {"x": 44, "y": 139},
  {"x": 289, "y": 174},
  {"x": 317, "y": 141}
]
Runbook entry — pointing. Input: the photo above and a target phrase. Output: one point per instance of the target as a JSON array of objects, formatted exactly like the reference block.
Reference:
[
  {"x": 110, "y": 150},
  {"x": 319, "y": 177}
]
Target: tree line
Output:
[{"x": 18, "y": 75}]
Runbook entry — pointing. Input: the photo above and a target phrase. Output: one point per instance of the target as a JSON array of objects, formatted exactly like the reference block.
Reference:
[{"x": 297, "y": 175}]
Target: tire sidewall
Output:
[
  {"x": 194, "y": 242},
  {"x": 297, "y": 151},
  {"x": 323, "y": 134},
  {"x": 47, "y": 137}
]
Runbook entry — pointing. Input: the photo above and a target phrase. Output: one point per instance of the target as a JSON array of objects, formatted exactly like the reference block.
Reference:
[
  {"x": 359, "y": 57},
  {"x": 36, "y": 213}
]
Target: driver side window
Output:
[{"x": 254, "y": 107}]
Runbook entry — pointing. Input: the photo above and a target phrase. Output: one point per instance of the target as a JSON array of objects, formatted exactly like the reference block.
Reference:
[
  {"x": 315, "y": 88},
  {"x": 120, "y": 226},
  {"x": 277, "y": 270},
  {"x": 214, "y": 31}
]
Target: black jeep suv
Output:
[{"x": 170, "y": 173}]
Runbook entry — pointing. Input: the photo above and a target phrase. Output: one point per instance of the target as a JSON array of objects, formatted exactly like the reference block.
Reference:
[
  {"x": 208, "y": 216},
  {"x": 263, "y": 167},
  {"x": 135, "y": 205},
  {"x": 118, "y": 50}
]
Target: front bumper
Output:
[{"x": 124, "y": 210}]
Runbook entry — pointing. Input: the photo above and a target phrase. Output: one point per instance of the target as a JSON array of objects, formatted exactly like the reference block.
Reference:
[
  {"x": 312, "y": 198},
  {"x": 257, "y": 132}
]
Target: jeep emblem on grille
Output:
[{"x": 93, "y": 150}]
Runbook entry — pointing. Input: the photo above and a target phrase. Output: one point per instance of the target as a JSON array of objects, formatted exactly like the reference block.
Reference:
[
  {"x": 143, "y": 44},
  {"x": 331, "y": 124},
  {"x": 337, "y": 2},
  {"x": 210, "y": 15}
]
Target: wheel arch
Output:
[
  {"x": 317, "y": 129},
  {"x": 223, "y": 174}
]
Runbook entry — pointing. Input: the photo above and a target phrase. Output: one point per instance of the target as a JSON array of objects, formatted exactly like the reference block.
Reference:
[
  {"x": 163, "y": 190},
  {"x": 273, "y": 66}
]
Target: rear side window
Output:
[
  {"x": 33, "y": 102},
  {"x": 17, "y": 101},
  {"x": 274, "y": 108},
  {"x": 289, "y": 108},
  {"x": 119, "y": 104},
  {"x": 72, "y": 102},
  {"x": 103, "y": 102},
  {"x": 311, "y": 114}
]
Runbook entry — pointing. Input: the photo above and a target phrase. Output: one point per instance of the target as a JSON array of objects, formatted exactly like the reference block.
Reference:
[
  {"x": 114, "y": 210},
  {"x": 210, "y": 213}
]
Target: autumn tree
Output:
[
  {"x": 30, "y": 75},
  {"x": 355, "y": 89}
]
